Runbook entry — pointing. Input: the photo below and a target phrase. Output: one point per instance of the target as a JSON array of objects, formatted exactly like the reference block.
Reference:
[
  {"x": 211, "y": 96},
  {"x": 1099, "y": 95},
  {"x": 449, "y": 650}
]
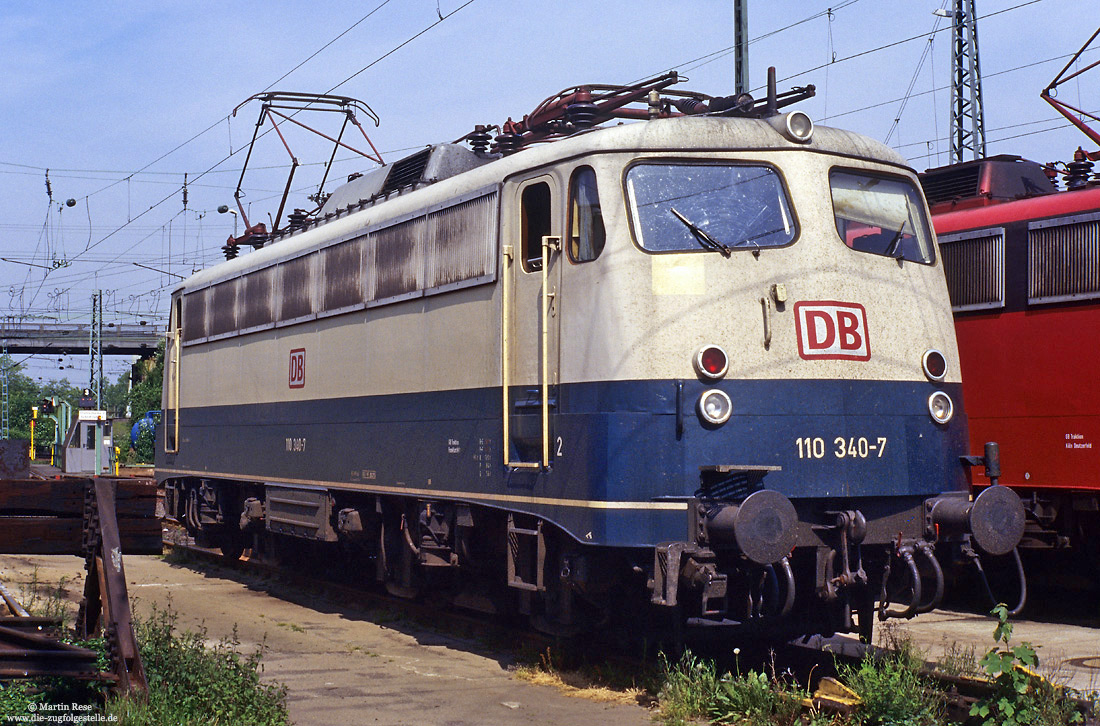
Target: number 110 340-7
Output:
[{"x": 851, "y": 447}]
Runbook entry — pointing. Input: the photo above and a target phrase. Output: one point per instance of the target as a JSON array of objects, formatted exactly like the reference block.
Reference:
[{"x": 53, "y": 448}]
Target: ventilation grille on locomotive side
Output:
[
  {"x": 974, "y": 263},
  {"x": 1064, "y": 259}
]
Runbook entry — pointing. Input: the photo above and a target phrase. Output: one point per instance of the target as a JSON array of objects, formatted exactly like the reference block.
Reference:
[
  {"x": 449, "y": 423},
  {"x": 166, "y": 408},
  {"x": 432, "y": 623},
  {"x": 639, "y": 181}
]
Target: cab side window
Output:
[
  {"x": 586, "y": 230},
  {"x": 535, "y": 222}
]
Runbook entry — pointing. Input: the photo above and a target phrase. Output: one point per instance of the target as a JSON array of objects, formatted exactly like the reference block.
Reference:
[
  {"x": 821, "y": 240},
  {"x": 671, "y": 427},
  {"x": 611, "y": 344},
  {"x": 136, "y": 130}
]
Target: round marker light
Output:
[
  {"x": 715, "y": 406},
  {"x": 941, "y": 407},
  {"x": 934, "y": 364},
  {"x": 711, "y": 362}
]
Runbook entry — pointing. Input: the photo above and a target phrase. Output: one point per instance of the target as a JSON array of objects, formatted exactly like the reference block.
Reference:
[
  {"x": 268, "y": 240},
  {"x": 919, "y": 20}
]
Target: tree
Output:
[
  {"x": 61, "y": 390},
  {"x": 145, "y": 394},
  {"x": 22, "y": 394},
  {"x": 115, "y": 395}
]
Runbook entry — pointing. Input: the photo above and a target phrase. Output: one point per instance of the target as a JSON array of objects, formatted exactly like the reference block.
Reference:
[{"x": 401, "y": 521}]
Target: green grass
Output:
[
  {"x": 293, "y": 627},
  {"x": 44, "y": 600},
  {"x": 893, "y": 694},
  {"x": 893, "y": 691},
  {"x": 693, "y": 691},
  {"x": 191, "y": 683}
]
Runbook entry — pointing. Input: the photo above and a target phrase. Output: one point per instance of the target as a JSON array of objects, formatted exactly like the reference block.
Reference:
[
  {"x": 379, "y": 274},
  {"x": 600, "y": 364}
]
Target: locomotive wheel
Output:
[{"x": 232, "y": 546}]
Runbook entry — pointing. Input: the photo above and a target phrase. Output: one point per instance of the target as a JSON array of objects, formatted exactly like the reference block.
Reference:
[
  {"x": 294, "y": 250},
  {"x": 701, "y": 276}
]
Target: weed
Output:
[
  {"x": 191, "y": 683},
  {"x": 892, "y": 691},
  {"x": 958, "y": 660},
  {"x": 694, "y": 690},
  {"x": 19, "y": 699},
  {"x": 690, "y": 687},
  {"x": 756, "y": 698},
  {"x": 1020, "y": 696},
  {"x": 47, "y": 601},
  {"x": 16, "y": 698},
  {"x": 293, "y": 627}
]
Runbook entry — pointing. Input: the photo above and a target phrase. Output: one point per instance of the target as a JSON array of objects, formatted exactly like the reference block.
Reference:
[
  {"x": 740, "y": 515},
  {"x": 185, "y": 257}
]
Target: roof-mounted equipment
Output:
[
  {"x": 1073, "y": 114},
  {"x": 581, "y": 107},
  {"x": 274, "y": 105}
]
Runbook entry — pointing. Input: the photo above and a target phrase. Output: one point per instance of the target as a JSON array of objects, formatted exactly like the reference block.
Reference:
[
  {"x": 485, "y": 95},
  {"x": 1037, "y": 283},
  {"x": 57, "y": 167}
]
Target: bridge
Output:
[{"x": 32, "y": 338}]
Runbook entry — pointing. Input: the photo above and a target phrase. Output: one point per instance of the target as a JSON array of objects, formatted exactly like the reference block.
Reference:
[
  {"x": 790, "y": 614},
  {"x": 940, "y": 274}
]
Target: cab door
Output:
[
  {"x": 170, "y": 396},
  {"x": 531, "y": 277}
]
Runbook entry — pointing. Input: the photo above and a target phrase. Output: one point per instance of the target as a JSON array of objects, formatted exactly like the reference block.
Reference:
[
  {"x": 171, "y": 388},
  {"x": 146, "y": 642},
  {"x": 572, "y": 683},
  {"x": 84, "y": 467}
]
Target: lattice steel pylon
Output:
[
  {"x": 95, "y": 348},
  {"x": 967, "y": 110},
  {"x": 5, "y": 421}
]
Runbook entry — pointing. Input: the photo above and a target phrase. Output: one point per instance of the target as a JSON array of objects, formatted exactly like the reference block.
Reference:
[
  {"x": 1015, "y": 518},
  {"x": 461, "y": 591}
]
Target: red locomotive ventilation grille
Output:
[
  {"x": 943, "y": 186},
  {"x": 974, "y": 263},
  {"x": 1062, "y": 256}
]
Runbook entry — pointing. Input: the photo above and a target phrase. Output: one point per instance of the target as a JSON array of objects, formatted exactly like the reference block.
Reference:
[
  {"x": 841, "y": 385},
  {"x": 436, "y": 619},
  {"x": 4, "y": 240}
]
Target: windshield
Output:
[
  {"x": 718, "y": 207},
  {"x": 881, "y": 215}
]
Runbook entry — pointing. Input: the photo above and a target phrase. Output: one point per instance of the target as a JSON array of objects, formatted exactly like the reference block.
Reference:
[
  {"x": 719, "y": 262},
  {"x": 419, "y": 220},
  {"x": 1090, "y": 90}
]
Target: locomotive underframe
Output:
[
  {"x": 845, "y": 568},
  {"x": 1058, "y": 519}
]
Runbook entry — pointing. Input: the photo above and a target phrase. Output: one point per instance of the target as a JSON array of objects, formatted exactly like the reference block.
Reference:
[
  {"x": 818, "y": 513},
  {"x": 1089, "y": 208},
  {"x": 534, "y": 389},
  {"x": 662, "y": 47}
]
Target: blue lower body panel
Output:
[{"x": 626, "y": 457}]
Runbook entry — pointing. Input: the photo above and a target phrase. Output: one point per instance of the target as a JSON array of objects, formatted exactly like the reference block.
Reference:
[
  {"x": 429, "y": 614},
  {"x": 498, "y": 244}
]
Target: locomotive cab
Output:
[{"x": 813, "y": 448}]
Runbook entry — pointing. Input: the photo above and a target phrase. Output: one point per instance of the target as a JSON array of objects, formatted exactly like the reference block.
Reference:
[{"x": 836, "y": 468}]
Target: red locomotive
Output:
[{"x": 1022, "y": 259}]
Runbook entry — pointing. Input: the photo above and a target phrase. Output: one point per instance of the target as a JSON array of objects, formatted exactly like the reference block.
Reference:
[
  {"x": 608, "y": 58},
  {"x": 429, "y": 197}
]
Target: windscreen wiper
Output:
[
  {"x": 705, "y": 240},
  {"x": 894, "y": 248}
]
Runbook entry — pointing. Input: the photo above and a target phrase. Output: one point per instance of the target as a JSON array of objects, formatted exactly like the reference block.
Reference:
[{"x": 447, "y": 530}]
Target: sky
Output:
[{"x": 120, "y": 99}]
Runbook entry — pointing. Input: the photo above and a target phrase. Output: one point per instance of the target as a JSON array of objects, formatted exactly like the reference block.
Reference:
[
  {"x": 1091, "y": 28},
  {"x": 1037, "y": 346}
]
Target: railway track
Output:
[{"x": 812, "y": 661}]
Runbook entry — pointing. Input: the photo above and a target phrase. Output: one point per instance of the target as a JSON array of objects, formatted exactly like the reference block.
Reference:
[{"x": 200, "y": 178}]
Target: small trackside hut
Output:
[{"x": 697, "y": 367}]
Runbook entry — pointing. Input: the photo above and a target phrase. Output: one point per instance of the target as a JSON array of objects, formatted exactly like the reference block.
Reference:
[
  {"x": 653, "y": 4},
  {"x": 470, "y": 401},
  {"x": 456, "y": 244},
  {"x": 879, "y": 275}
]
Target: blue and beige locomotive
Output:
[{"x": 697, "y": 367}]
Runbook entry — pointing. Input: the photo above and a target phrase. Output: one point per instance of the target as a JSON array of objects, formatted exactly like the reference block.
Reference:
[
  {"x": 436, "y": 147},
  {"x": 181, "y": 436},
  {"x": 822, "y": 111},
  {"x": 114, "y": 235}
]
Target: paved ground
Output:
[
  {"x": 344, "y": 665},
  {"x": 1068, "y": 654},
  {"x": 340, "y": 665}
]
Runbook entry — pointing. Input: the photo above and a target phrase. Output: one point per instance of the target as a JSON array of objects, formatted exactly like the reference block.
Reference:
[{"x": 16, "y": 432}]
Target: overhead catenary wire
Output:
[
  {"x": 134, "y": 178},
  {"x": 896, "y": 43},
  {"x": 722, "y": 52},
  {"x": 217, "y": 123},
  {"x": 227, "y": 157},
  {"x": 204, "y": 131},
  {"x": 1058, "y": 125},
  {"x": 916, "y": 74}
]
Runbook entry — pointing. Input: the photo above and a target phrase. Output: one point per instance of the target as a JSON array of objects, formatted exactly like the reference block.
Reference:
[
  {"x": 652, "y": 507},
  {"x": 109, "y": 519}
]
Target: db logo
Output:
[
  {"x": 298, "y": 368},
  {"x": 832, "y": 330}
]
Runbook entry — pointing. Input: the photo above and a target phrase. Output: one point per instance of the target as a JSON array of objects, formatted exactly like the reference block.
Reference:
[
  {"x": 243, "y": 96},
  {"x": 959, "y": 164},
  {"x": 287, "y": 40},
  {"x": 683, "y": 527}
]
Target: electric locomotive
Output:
[
  {"x": 697, "y": 367},
  {"x": 1021, "y": 261}
]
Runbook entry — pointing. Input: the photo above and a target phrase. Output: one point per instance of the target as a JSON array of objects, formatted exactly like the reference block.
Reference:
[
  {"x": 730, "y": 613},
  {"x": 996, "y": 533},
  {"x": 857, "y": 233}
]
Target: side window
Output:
[
  {"x": 535, "y": 222},
  {"x": 882, "y": 215},
  {"x": 586, "y": 230}
]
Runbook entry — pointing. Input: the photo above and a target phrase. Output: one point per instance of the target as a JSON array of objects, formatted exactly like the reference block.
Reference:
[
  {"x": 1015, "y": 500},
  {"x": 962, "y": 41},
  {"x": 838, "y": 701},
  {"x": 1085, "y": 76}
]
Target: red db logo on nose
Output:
[{"x": 832, "y": 330}]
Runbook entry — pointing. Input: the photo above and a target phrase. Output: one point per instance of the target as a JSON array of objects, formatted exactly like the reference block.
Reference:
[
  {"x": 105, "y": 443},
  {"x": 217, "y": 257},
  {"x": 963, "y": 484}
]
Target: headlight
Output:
[
  {"x": 795, "y": 126},
  {"x": 715, "y": 406},
  {"x": 799, "y": 126},
  {"x": 940, "y": 407},
  {"x": 934, "y": 365}
]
